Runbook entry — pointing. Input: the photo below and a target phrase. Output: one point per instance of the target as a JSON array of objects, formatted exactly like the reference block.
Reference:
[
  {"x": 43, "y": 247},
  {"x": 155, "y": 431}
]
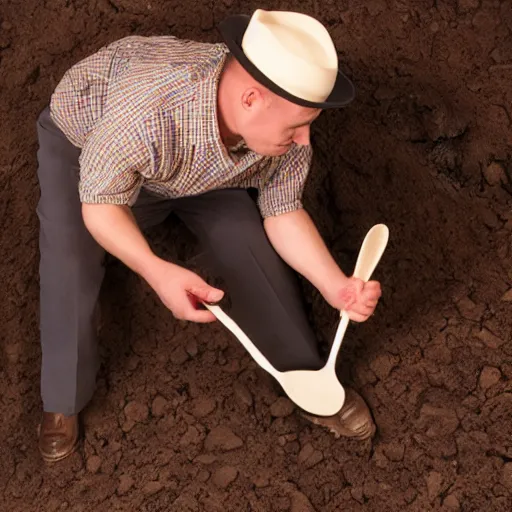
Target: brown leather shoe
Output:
[
  {"x": 354, "y": 419},
  {"x": 58, "y": 436}
]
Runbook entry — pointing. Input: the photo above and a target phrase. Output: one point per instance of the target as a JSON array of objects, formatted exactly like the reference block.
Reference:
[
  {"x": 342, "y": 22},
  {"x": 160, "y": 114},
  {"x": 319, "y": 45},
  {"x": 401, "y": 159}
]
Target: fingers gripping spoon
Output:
[{"x": 318, "y": 392}]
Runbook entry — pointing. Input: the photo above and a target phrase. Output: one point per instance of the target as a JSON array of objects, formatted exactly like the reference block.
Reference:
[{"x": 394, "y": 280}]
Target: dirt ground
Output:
[{"x": 182, "y": 419}]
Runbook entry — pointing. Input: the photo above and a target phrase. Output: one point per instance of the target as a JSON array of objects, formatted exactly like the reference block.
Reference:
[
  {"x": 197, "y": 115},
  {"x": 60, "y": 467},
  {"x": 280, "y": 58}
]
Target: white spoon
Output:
[{"x": 318, "y": 392}]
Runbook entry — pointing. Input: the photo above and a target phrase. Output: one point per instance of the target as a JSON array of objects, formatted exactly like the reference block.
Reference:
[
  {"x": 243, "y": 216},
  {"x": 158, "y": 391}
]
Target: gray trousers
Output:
[{"x": 264, "y": 292}]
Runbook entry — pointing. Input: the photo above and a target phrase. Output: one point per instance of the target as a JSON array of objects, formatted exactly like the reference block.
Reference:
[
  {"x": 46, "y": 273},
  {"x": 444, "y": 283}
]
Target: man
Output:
[{"x": 149, "y": 126}]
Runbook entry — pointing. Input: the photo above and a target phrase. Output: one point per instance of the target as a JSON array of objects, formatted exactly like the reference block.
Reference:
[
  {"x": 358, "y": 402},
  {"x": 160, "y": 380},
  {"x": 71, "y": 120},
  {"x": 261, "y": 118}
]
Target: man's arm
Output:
[
  {"x": 115, "y": 229},
  {"x": 297, "y": 240}
]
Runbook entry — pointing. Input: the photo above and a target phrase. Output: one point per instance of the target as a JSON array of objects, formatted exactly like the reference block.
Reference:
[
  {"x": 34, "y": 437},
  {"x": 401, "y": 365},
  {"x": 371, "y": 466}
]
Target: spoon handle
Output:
[
  {"x": 340, "y": 332},
  {"x": 243, "y": 338},
  {"x": 369, "y": 256}
]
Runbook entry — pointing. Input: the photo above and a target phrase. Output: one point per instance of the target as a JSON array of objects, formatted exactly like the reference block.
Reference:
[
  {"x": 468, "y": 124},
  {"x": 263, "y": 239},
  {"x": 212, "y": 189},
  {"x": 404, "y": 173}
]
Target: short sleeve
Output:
[
  {"x": 281, "y": 192},
  {"x": 110, "y": 164}
]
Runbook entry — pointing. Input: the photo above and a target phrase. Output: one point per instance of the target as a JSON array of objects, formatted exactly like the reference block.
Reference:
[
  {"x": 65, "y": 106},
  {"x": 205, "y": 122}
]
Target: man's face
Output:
[{"x": 270, "y": 124}]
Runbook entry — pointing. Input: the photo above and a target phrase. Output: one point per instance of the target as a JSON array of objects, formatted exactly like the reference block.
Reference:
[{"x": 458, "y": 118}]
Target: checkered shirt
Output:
[{"x": 143, "y": 111}]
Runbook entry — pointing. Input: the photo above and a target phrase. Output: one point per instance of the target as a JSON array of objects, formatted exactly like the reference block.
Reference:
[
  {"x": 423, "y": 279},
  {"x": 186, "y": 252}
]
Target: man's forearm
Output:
[
  {"x": 297, "y": 240},
  {"x": 115, "y": 229}
]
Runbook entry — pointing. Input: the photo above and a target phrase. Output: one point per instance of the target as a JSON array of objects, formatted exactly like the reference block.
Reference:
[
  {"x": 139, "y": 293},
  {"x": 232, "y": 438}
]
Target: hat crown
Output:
[{"x": 293, "y": 50}]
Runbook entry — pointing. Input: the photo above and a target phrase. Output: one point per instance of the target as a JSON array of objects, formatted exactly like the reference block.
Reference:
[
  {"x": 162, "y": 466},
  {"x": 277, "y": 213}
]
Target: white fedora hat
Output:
[{"x": 291, "y": 54}]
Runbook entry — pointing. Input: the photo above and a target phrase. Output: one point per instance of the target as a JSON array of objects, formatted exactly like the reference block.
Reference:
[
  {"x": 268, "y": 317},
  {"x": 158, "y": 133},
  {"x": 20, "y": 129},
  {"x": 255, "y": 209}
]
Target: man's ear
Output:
[{"x": 252, "y": 99}]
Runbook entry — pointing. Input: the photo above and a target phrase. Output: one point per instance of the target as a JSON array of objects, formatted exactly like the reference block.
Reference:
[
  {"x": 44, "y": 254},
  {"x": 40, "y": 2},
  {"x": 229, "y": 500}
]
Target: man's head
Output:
[
  {"x": 283, "y": 72},
  {"x": 268, "y": 123}
]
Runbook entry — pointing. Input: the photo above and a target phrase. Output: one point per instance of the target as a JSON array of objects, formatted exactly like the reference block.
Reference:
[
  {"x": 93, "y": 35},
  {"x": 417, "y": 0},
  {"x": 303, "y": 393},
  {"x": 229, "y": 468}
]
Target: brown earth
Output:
[{"x": 183, "y": 420}]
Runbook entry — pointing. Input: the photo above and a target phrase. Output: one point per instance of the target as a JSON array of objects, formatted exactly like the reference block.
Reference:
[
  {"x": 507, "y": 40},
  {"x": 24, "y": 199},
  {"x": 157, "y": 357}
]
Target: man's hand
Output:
[
  {"x": 115, "y": 229},
  {"x": 298, "y": 242},
  {"x": 182, "y": 291},
  {"x": 357, "y": 298}
]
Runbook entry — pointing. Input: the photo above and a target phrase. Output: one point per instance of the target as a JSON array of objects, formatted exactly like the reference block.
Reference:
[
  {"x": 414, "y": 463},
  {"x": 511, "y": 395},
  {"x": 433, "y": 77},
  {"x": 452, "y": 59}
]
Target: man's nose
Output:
[{"x": 302, "y": 136}]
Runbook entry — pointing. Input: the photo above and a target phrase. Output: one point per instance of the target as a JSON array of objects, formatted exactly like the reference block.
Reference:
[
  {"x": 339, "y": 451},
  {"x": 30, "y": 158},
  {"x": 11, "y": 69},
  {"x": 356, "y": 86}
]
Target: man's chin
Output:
[
  {"x": 283, "y": 149},
  {"x": 275, "y": 151}
]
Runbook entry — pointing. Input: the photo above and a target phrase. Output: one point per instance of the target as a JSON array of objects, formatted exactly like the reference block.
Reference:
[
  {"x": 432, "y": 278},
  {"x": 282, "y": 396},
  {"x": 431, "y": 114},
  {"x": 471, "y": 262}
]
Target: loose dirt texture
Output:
[{"x": 183, "y": 420}]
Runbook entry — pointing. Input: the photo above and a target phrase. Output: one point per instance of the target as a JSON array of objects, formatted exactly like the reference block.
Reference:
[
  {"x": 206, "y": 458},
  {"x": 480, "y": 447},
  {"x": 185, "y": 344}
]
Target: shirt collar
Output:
[
  {"x": 206, "y": 103},
  {"x": 206, "y": 108}
]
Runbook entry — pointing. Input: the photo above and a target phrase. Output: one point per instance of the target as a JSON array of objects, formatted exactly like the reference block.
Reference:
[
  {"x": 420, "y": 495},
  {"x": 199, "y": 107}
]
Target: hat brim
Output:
[{"x": 233, "y": 29}]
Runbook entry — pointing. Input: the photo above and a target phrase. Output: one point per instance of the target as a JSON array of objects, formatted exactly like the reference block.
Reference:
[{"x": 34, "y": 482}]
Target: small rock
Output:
[
  {"x": 410, "y": 494},
  {"x": 221, "y": 358},
  {"x": 503, "y": 249},
  {"x": 114, "y": 446},
  {"x": 261, "y": 481},
  {"x": 179, "y": 355},
  {"x": 380, "y": 459},
  {"x": 13, "y": 351},
  {"x": 233, "y": 366},
  {"x": 438, "y": 353},
  {"x": 315, "y": 459},
  {"x": 451, "y": 502},
  {"x": 507, "y": 297},
  {"x": 203, "y": 476},
  {"x": 506, "y": 475},
  {"x": 224, "y": 476},
  {"x": 187, "y": 503},
  {"x": 467, "y": 5},
  {"x": 375, "y": 7},
  {"x": 434, "y": 27},
  {"x": 434, "y": 482},
  {"x": 206, "y": 458},
  {"x": 506, "y": 370},
  {"x": 6, "y": 25},
  {"x": 136, "y": 412},
  {"x": 5, "y": 42},
  {"x": 203, "y": 406},
  {"x": 383, "y": 364},
  {"x": 394, "y": 451},
  {"x": 191, "y": 436},
  {"x": 501, "y": 54},
  {"x": 125, "y": 484},
  {"x": 52, "y": 504},
  {"x": 439, "y": 422},
  {"x": 357, "y": 493},
  {"x": 489, "y": 376},
  {"x": 93, "y": 464},
  {"x": 162, "y": 357},
  {"x": 158, "y": 406},
  {"x": 289, "y": 438},
  {"x": 485, "y": 21},
  {"x": 491, "y": 340},
  {"x": 490, "y": 218},
  {"x": 305, "y": 453},
  {"x": 152, "y": 487},
  {"x": 192, "y": 347},
  {"x": 127, "y": 426},
  {"x": 242, "y": 394},
  {"x": 469, "y": 310},
  {"x": 364, "y": 375},
  {"x": 222, "y": 438},
  {"x": 300, "y": 502},
  {"x": 309, "y": 457},
  {"x": 282, "y": 407}
]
